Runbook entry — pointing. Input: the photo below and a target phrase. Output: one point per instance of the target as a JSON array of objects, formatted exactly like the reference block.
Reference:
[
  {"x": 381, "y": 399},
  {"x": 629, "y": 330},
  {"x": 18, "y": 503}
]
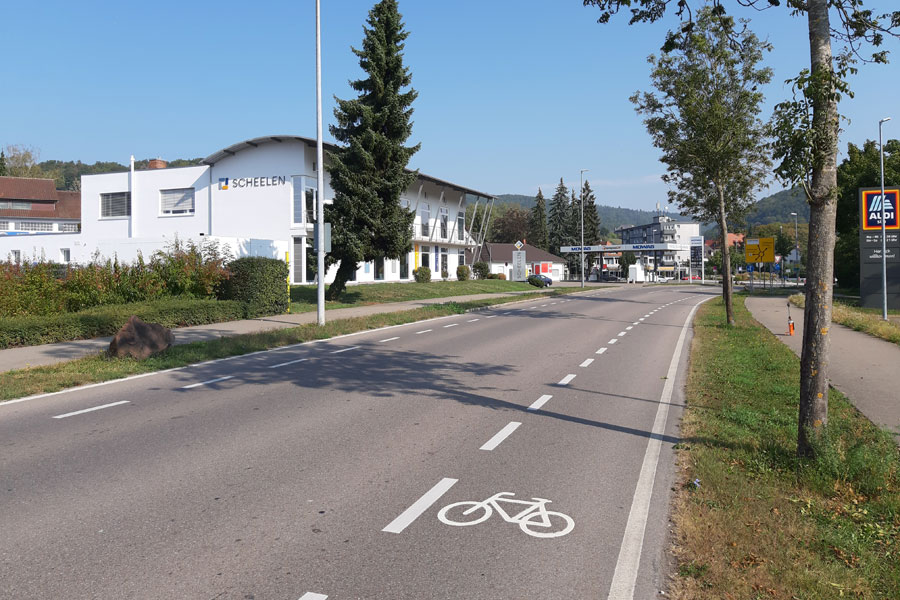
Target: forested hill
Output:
[
  {"x": 68, "y": 173},
  {"x": 610, "y": 216},
  {"x": 777, "y": 208}
]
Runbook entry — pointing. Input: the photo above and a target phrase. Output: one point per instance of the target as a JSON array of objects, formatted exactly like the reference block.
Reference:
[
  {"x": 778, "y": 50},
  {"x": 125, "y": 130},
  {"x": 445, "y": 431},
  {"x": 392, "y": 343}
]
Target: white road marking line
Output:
[
  {"x": 451, "y": 325},
  {"x": 552, "y": 303},
  {"x": 539, "y": 402},
  {"x": 647, "y": 316},
  {"x": 500, "y": 436},
  {"x": 600, "y": 351},
  {"x": 492, "y": 316},
  {"x": 587, "y": 362},
  {"x": 543, "y": 305},
  {"x": 424, "y": 331},
  {"x": 530, "y": 307},
  {"x": 565, "y": 380},
  {"x": 635, "y": 323},
  {"x": 420, "y": 506},
  {"x": 625, "y": 575},
  {"x": 290, "y": 362},
  {"x": 87, "y": 410},
  {"x": 217, "y": 380},
  {"x": 472, "y": 320},
  {"x": 621, "y": 333},
  {"x": 389, "y": 340},
  {"x": 312, "y": 596},
  {"x": 642, "y": 318},
  {"x": 629, "y": 328},
  {"x": 506, "y": 313},
  {"x": 613, "y": 341},
  {"x": 344, "y": 350}
]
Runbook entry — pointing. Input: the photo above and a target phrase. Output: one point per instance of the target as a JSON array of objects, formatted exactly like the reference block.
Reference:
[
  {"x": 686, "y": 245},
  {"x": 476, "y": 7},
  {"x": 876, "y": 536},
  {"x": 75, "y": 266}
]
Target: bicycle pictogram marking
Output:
[{"x": 535, "y": 519}]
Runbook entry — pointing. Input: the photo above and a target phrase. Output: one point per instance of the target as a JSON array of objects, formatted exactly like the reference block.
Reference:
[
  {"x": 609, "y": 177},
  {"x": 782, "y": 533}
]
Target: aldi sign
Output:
[{"x": 871, "y": 205}]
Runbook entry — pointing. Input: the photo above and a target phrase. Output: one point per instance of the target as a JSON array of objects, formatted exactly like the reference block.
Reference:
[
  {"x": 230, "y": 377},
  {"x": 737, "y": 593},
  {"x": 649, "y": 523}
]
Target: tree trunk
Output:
[
  {"x": 726, "y": 259},
  {"x": 820, "y": 250},
  {"x": 344, "y": 272}
]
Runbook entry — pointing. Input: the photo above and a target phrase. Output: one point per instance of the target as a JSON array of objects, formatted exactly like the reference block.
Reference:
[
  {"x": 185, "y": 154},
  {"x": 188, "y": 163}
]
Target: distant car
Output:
[
  {"x": 544, "y": 278},
  {"x": 694, "y": 277}
]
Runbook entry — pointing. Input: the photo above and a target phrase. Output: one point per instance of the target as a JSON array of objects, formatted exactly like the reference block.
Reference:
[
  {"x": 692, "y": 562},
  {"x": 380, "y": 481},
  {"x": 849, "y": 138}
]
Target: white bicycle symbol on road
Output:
[{"x": 534, "y": 520}]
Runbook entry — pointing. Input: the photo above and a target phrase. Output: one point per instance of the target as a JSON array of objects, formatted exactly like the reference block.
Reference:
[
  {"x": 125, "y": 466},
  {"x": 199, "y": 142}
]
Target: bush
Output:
[
  {"x": 462, "y": 272},
  {"x": 501, "y": 276},
  {"x": 444, "y": 274},
  {"x": 260, "y": 283},
  {"x": 536, "y": 281},
  {"x": 422, "y": 275},
  {"x": 107, "y": 320},
  {"x": 481, "y": 270}
]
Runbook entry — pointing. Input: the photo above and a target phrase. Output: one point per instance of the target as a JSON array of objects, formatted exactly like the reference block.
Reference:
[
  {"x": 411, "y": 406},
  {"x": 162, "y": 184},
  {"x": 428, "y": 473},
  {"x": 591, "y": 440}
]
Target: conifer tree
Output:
[
  {"x": 2, "y": 163},
  {"x": 368, "y": 170},
  {"x": 557, "y": 218},
  {"x": 537, "y": 223},
  {"x": 591, "y": 218},
  {"x": 573, "y": 233}
]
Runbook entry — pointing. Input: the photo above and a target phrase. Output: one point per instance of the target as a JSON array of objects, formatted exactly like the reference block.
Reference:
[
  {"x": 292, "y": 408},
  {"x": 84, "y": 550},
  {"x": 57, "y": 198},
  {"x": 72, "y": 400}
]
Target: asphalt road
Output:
[{"x": 322, "y": 470}]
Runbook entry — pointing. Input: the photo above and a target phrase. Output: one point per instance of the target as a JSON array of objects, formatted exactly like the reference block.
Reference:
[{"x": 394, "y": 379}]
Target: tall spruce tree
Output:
[
  {"x": 368, "y": 169},
  {"x": 2, "y": 163},
  {"x": 573, "y": 233},
  {"x": 591, "y": 218},
  {"x": 537, "y": 223},
  {"x": 557, "y": 218}
]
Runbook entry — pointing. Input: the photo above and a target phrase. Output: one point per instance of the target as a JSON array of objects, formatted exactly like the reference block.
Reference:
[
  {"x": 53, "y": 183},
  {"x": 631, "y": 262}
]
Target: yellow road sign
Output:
[{"x": 759, "y": 250}]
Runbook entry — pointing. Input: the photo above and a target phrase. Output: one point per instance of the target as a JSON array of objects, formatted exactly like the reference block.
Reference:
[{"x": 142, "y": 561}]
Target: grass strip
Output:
[
  {"x": 100, "y": 367},
  {"x": 860, "y": 319},
  {"x": 751, "y": 519}
]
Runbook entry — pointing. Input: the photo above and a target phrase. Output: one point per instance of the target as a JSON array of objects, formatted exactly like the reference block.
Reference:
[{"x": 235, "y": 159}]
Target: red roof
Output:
[{"x": 46, "y": 201}]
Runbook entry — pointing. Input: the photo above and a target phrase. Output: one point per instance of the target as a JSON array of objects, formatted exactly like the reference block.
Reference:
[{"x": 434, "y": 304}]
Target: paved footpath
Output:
[
  {"x": 48, "y": 354},
  {"x": 862, "y": 366}
]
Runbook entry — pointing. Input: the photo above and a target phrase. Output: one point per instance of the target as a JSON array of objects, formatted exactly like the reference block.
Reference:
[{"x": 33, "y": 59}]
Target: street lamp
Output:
[
  {"x": 796, "y": 247},
  {"x": 320, "y": 181},
  {"x": 583, "y": 171},
  {"x": 883, "y": 232}
]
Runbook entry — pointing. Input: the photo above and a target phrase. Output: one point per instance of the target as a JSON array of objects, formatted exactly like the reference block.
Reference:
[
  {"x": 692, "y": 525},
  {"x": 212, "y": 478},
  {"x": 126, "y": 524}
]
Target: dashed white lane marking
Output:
[
  {"x": 543, "y": 305},
  {"x": 539, "y": 402},
  {"x": 451, "y": 325},
  {"x": 344, "y": 350},
  {"x": 552, "y": 303},
  {"x": 492, "y": 316},
  {"x": 388, "y": 340},
  {"x": 424, "y": 331},
  {"x": 629, "y": 328},
  {"x": 530, "y": 307},
  {"x": 613, "y": 341},
  {"x": 472, "y": 320},
  {"x": 312, "y": 596},
  {"x": 635, "y": 323},
  {"x": 216, "y": 380},
  {"x": 647, "y": 316},
  {"x": 628, "y": 563},
  {"x": 587, "y": 362},
  {"x": 568, "y": 378},
  {"x": 642, "y": 318},
  {"x": 600, "y": 351},
  {"x": 621, "y": 333},
  {"x": 420, "y": 506},
  {"x": 500, "y": 436},
  {"x": 291, "y": 362},
  {"x": 87, "y": 410},
  {"x": 506, "y": 313}
]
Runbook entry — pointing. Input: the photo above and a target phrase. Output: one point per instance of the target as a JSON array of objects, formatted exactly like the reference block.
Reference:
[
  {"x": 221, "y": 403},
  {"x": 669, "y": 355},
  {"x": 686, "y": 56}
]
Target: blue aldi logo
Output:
[
  {"x": 223, "y": 183},
  {"x": 871, "y": 205}
]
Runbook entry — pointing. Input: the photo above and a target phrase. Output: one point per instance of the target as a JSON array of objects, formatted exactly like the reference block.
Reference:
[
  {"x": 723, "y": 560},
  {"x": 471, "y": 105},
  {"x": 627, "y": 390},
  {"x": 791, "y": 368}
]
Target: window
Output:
[
  {"x": 379, "y": 269},
  {"x": 404, "y": 265},
  {"x": 16, "y": 256},
  {"x": 426, "y": 257},
  {"x": 65, "y": 256},
  {"x": 4, "y": 225},
  {"x": 15, "y": 205},
  {"x": 462, "y": 257},
  {"x": 304, "y": 199},
  {"x": 115, "y": 205},
  {"x": 312, "y": 201},
  {"x": 69, "y": 227},
  {"x": 460, "y": 226},
  {"x": 35, "y": 226},
  {"x": 443, "y": 261},
  {"x": 426, "y": 217},
  {"x": 176, "y": 202},
  {"x": 444, "y": 217}
]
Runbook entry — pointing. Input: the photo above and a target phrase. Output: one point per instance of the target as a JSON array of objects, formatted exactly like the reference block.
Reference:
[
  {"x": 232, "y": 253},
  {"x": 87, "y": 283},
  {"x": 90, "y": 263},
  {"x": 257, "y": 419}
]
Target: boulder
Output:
[{"x": 139, "y": 339}]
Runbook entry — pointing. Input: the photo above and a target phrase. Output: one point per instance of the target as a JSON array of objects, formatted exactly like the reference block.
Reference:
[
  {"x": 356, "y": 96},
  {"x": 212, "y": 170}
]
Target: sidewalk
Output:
[
  {"x": 861, "y": 366},
  {"x": 48, "y": 354}
]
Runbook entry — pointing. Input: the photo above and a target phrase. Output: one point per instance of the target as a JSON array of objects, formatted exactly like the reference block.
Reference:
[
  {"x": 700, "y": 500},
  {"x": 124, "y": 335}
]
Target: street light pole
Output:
[
  {"x": 320, "y": 181},
  {"x": 582, "y": 225},
  {"x": 797, "y": 248},
  {"x": 884, "y": 315}
]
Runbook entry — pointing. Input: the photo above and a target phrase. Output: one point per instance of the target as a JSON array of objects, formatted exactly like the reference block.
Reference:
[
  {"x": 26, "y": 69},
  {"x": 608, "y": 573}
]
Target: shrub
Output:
[
  {"x": 536, "y": 281},
  {"x": 462, "y": 272},
  {"x": 260, "y": 283},
  {"x": 187, "y": 268},
  {"x": 444, "y": 274},
  {"x": 481, "y": 270},
  {"x": 422, "y": 275},
  {"x": 501, "y": 276}
]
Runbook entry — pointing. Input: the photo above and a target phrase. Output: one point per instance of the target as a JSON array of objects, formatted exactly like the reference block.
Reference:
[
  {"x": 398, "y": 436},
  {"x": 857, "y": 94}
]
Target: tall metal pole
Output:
[
  {"x": 320, "y": 180},
  {"x": 582, "y": 225},
  {"x": 797, "y": 248},
  {"x": 883, "y": 228}
]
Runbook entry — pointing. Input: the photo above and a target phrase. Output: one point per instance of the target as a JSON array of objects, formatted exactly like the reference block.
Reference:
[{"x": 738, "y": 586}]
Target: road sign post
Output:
[{"x": 520, "y": 269}]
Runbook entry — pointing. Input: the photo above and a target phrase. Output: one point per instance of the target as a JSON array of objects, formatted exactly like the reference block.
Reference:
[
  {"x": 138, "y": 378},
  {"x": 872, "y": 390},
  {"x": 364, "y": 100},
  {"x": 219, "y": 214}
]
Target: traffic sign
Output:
[
  {"x": 759, "y": 250},
  {"x": 519, "y": 245}
]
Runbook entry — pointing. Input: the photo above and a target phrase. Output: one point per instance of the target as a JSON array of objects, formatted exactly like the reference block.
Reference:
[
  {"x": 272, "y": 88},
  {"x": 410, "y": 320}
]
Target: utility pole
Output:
[
  {"x": 884, "y": 314},
  {"x": 320, "y": 180},
  {"x": 582, "y": 225}
]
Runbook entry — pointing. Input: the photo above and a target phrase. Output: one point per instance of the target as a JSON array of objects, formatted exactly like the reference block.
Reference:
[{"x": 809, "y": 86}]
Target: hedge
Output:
[
  {"x": 107, "y": 320},
  {"x": 422, "y": 275},
  {"x": 260, "y": 283}
]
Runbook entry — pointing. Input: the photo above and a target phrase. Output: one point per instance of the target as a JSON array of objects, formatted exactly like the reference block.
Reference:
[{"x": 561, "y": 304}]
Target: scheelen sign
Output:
[
  {"x": 254, "y": 182},
  {"x": 871, "y": 205}
]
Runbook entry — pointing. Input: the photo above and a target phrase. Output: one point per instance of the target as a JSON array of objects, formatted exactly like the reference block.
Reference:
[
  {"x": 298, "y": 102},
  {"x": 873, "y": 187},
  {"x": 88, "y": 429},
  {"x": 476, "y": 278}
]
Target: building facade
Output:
[
  {"x": 30, "y": 205},
  {"x": 663, "y": 230},
  {"x": 256, "y": 198}
]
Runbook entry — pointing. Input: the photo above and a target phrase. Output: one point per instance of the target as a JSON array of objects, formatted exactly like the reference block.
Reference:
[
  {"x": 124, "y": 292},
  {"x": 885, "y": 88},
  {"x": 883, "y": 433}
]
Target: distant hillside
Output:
[
  {"x": 68, "y": 173},
  {"x": 777, "y": 208},
  {"x": 610, "y": 216}
]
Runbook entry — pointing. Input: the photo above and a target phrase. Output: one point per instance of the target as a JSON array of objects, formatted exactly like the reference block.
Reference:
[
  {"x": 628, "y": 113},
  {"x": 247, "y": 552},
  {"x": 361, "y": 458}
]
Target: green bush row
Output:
[
  {"x": 107, "y": 320},
  {"x": 260, "y": 284}
]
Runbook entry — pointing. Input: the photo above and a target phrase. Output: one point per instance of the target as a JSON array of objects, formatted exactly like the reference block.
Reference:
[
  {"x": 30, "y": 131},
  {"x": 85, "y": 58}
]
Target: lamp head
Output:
[{"x": 884, "y": 120}]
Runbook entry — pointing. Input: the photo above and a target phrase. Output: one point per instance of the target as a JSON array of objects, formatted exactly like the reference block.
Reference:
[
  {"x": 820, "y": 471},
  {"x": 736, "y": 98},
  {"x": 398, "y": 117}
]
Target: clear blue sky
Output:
[{"x": 512, "y": 96}]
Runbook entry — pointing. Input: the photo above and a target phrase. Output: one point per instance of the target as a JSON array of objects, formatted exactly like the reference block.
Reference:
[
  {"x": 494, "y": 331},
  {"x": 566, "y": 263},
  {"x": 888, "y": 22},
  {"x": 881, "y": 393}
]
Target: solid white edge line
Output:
[
  {"x": 629, "y": 561},
  {"x": 87, "y": 410},
  {"x": 587, "y": 362},
  {"x": 343, "y": 350},
  {"x": 601, "y": 350},
  {"x": 390, "y": 339},
  {"x": 420, "y": 506},
  {"x": 290, "y": 362},
  {"x": 567, "y": 379},
  {"x": 500, "y": 436},
  {"x": 312, "y": 596},
  {"x": 216, "y": 380},
  {"x": 539, "y": 402}
]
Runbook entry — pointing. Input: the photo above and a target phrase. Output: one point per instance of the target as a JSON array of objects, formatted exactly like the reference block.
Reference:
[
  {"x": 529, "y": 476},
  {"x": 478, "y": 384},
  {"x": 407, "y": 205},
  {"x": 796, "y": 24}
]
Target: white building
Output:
[
  {"x": 258, "y": 198},
  {"x": 663, "y": 230}
]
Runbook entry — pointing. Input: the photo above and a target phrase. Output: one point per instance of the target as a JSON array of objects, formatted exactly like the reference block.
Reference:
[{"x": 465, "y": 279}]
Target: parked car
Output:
[
  {"x": 544, "y": 278},
  {"x": 694, "y": 277}
]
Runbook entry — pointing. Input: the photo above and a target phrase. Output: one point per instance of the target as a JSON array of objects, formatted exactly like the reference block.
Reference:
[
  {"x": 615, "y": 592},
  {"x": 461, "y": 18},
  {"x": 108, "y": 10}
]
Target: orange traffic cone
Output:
[{"x": 790, "y": 326}]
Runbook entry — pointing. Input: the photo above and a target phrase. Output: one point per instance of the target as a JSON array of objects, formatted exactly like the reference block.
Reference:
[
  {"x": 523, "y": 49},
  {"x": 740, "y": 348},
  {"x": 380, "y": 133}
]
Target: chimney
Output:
[{"x": 157, "y": 163}]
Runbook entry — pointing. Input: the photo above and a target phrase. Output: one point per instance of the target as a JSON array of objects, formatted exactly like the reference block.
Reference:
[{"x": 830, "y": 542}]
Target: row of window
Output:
[
  {"x": 14, "y": 205},
  {"x": 65, "y": 256},
  {"x": 171, "y": 202},
  {"x": 38, "y": 226}
]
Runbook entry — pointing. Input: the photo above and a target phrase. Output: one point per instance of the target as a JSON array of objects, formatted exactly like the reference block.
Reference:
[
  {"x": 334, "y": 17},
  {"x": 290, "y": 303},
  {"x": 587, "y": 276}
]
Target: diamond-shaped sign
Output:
[{"x": 519, "y": 245}]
